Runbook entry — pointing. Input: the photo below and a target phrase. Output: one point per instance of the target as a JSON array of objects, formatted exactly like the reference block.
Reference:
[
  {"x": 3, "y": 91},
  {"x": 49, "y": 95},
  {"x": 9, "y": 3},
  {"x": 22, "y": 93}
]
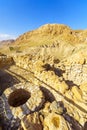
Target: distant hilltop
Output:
[
  {"x": 46, "y": 35},
  {"x": 50, "y": 33},
  {"x": 8, "y": 42}
]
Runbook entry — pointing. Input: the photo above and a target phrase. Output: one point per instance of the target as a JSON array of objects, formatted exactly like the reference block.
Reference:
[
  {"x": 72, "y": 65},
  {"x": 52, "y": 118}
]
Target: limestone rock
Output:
[
  {"x": 77, "y": 93},
  {"x": 47, "y": 107},
  {"x": 5, "y": 61},
  {"x": 76, "y": 73},
  {"x": 31, "y": 122},
  {"x": 57, "y": 107},
  {"x": 83, "y": 88},
  {"x": 55, "y": 122}
]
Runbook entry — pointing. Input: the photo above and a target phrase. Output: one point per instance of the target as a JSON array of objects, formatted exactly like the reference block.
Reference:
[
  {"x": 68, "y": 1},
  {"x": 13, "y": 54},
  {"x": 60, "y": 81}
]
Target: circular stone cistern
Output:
[{"x": 24, "y": 99}]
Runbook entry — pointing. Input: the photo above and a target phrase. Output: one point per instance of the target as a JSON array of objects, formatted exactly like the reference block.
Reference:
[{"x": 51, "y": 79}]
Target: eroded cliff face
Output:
[{"x": 47, "y": 86}]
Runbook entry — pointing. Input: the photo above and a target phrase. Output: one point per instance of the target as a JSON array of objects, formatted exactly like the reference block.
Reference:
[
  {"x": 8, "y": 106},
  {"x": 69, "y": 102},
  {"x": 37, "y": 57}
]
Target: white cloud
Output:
[{"x": 6, "y": 37}]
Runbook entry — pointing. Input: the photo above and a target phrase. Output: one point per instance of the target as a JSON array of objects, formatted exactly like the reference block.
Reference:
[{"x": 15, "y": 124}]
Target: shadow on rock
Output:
[
  {"x": 6, "y": 80},
  {"x": 73, "y": 123},
  {"x": 48, "y": 95},
  {"x": 57, "y": 71}
]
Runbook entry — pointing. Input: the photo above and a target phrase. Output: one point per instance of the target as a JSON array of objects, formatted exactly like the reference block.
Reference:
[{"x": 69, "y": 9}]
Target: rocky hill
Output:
[
  {"x": 43, "y": 80},
  {"x": 50, "y": 33},
  {"x": 58, "y": 35}
]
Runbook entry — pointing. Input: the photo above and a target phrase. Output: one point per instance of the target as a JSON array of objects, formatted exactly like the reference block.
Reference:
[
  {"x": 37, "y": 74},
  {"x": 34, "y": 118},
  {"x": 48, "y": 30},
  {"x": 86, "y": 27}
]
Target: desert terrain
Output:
[{"x": 43, "y": 80}]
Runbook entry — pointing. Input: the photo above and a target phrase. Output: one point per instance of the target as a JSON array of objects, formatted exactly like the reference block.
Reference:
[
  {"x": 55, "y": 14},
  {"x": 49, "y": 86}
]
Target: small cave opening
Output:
[{"x": 18, "y": 97}]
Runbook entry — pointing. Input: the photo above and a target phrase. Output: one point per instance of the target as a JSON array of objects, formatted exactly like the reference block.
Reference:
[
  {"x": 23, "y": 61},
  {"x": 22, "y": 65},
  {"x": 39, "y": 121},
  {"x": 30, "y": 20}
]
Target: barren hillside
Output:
[{"x": 43, "y": 80}]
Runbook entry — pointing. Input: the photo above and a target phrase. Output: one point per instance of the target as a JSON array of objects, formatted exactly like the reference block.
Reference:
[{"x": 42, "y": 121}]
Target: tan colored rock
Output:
[
  {"x": 47, "y": 107},
  {"x": 56, "y": 107},
  {"x": 55, "y": 122},
  {"x": 77, "y": 93},
  {"x": 38, "y": 66},
  {"x": 5, "y": 61},
  {"x": 51, "y": 79},
  {"x": 83, "y": 87},
  {"x": 63, "y": 87},
  {"x": 75, "y": 73},
  {"x": 31, "y": 122}
]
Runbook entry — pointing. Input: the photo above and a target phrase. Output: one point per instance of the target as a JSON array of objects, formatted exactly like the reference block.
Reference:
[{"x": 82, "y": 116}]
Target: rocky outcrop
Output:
[
  {"x": 47, "y": 35},
  {"x": 49, "y": 32},
  {"x": 76, "y": 73},
  {"x": 62, "y": 80},
  {"x": 5, "y": 61}
]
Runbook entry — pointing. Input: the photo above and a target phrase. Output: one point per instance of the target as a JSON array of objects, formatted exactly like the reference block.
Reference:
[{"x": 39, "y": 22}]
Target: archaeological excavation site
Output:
[{"x": 43, "y": 80}]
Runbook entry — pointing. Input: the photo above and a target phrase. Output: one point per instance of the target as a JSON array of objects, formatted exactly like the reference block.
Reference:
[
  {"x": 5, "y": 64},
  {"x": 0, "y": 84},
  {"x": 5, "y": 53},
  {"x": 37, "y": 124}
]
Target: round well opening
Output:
[{"x": 18, "y": 97}]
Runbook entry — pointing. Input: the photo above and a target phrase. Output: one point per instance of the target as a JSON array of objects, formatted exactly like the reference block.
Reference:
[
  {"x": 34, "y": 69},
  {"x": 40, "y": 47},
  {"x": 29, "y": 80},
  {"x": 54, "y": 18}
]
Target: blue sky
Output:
[{"x": 20, "y": 16}]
